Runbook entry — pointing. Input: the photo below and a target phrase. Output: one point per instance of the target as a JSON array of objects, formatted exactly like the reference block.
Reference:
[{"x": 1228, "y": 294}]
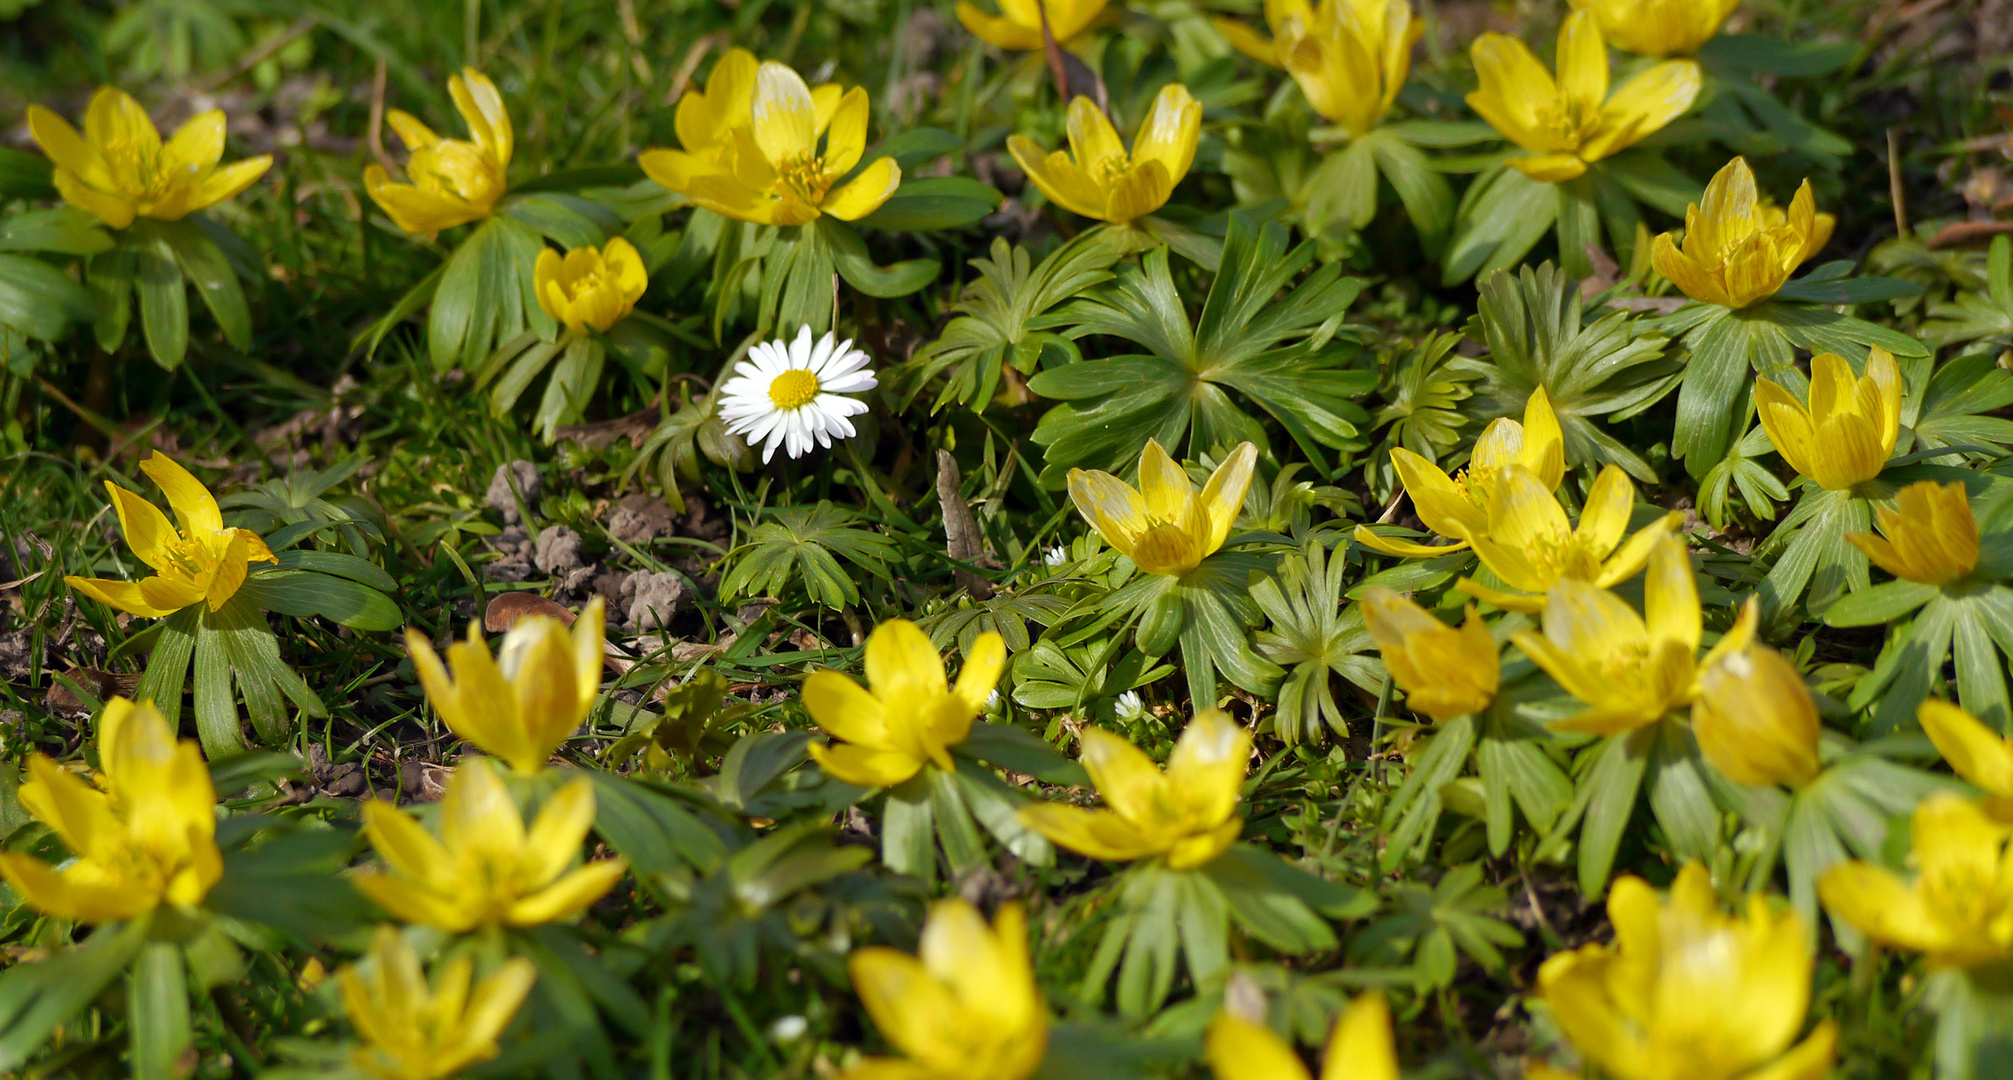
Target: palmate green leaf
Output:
[
  {"x": 1250, "y": 342},
  {"x": 62, "y": 230},
  {"x": 35, "y": 998},
  {"x": 215, "y": 281},
  {"x": 485, "y": 295},
  {"x": 1813, "y": 552},
  {"x": 307, "y": 594},
  {"x": 672, "y": 451},
  {"x": 1314, "y": 636},
  {"x": 1981, "y": 313},
  {"x": 1005, "y": 613},
  {"x": 1742, "y": 470},
  {"x": 1005, "y": 318},
  {"x": 38, "y": 301},
  {"x": 799, "y": 544},
  {"x": 164, "y": 300},
  {"x": 1501, "y": 217},
  {"x": 1414, "y": 809},
  {"x": 1532, "y": 325},
  {"x": 1431, "y": 922},
  {"x": 1957, "y": 407},
  {"x": 1422, "y": 394}
]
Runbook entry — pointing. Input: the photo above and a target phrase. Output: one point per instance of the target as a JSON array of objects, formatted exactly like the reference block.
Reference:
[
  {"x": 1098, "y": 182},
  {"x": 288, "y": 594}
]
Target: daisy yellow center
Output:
[{"x": 794, "y": 389}]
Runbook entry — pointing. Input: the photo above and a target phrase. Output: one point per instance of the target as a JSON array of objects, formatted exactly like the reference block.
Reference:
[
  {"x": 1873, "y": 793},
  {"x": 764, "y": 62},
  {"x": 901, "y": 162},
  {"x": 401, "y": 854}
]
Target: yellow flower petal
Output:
[
  {"x": 1974, "y": 751},
  {"x": 784, "y": 119},
  {"x": 1240, "y": 1050},
  {"x": 864, "y": 766},
  {"x": 866, "y": 192},
  {"x": 1360, "y": 1046}
]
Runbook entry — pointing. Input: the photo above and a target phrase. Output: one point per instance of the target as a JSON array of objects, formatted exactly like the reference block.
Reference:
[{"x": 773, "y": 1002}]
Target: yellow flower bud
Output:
[
  {"x": 1445, "y": 672},
  {"x": 1755, "y": 720},
  {"x": 1933, "y": 539},
  {"x": 1738, "y": 250},
  {"x": 590, "y": 286}
]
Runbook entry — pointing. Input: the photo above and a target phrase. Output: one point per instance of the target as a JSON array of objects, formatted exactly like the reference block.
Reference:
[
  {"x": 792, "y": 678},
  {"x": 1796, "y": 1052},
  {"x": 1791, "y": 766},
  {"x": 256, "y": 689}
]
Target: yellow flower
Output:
[
  {"x": 1572, "y": 122},
  {"x": 1358, "y": 1049},
  {"x": 454, "y": 181},
  {"x": 1163, "y": 526},
  {"x": 1444, "y": 672},
  {"x": 535, "y": 694},
  {"x": 964, "y": 1008},
  {"x": 146, "y": 835},
  {"x": 1738, "y": 249},
  {"x": 911, "y": 716},
  {"x": 1933, "y": 539},
  {"x": 1458, "y": 507},
  {"x": 485, "y": 869},
  {"x": 1187, "y": 813},
  {"x": 200, "y": 561},
  {"x": 590, "y": 287},
  {"x": 772, "y": 170},
  {"x": 1959, "y": 909},
  {"x": 1530, "y": 544},
  {"x": 1659, "y": 27},
  {"x": 1754, "y": 718},
  {"x": 1017, "y": 27},
  {"x": 1629, "y": 671},
  {"x": 706, "y": 121},
  {"x": 1687, "y": 992},
  {"x": 1350, "y": 57},
  {"x": 1974, "y": 751},
  {"x": 119, "y": 168},
  {"x": 1846, "y": 435},
  {"x": 412, "y": 1031},
  {"x": 1097, "y": 178}
]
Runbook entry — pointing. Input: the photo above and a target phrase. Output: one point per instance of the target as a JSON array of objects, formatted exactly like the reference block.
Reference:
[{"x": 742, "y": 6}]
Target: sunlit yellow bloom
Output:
[
  {"x": 1974, "y": 751},
  {"x": 773, "y": 171},
  {"x": 1659, "y": 27},
  {"x": 1754, "y": 718},
  {"x": 1457, "y": 507},
  {"x": 200, "y": 562},
  {"x": 1187, "y": 813},
  {"x": 530, "y": 698},
  {"x": 485, "y": 868},
  {"x": 1350, "y": 57},
  {"x": 1445, "y": 672},
  {"x": 1932, "y": 539},
  {"x": 1627, "y": 669},
  {"x": 1847, "y": 434},
  {"x": 706, "y": 121},
  {"x": 146, "y": 835},
  {"x": 1687, "y": 992},
  {"x": 1098, "y": 178},
  {"x": 1358, "y": 1049},
  {"x": 1959, "y": 909},
  {"x": 119, "y": 168},
  {"x": 453, "y": 181},
  {"x": 1571, "y": 122},
  {"x": 1164, "y": 527},
  {"x": 964, "y": 1008},
  {"x": 589, "y": 286},
  {"x": 908, "y": 715},
  {"x": 412, "y": 1031},
  {"x": 1018, "y": 25},
  {"x": 1739, "y": 249},
  {"x": 1531, "y": 545}
]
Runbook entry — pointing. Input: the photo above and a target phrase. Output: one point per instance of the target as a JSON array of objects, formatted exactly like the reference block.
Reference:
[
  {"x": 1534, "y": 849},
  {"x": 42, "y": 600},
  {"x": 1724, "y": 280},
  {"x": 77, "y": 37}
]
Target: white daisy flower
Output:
[
  {"x": 1129, "y": 706},
  {"x": 1055, "y": 556},
  {"x": 789, "y": 394}
]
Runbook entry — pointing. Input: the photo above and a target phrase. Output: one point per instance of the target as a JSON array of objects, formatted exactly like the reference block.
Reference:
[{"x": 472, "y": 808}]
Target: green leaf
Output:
[
  {"x": 1428, "y": 199},
  {"x": 1503, "y": 216},
  {"x": 916, "y": 146},
  {"x": 1608, "y": 794},
  {"x": 1266, "y": 911},
  {"x": 158, "y": 1000},
  {"x": 995, "y": 805},
  {"x": 1017, "y": 750},
  {"x": 164, "y": 302},
  {"x": 342, "y": 565},
  {"x": 36, "y": 300},
  {"x": 849, "y": 256},
  {"x": 63, "y": 230},
  {"x": 1345, "y": 186},
  {"x": 558, "y": 219},
  {"x": 36, "y": 997},
  {"x": 650, "y": 829},
  {"x": 1864, "y": 290},
  {"x": 1887, "y": 602},
  {"x": 908, "y": 830},
  {"x": 1270, "y": 349},
  {"x": 216, "y": 283},
  {"x": 109, "y": 277},
  {"x": 307, "y": 594},
  {"x": 1414, "y": 809},
  {"x": 586, "y": 176},
  {"x": 26, "y": 176},
  {"x": 933, "y": 203}
]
